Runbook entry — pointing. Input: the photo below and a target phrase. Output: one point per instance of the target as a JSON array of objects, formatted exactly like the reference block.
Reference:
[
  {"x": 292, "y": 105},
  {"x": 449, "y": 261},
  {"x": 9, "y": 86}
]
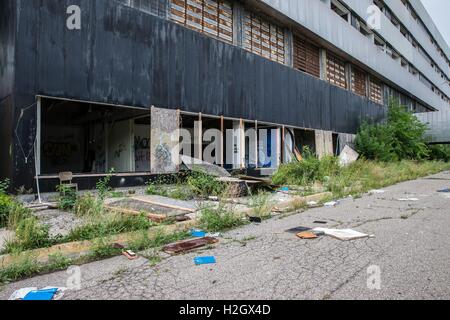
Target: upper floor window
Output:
[
  {"x": 336, "y": 71},
  {"x": 359, "y": 85},
  {"x": 264, "y": 38},
  {"x": 306, "y": 57},
  {"x": 212, "y": 17}
]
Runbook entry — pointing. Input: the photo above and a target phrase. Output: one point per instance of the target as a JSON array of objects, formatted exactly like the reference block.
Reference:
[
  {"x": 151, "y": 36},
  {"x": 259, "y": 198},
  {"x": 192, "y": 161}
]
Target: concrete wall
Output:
[{"x": 318, "y": 18}]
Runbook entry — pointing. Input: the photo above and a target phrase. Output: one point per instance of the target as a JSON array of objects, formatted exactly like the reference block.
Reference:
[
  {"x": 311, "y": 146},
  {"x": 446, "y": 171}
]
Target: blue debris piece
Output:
[
  {"x": 198, "y": 233},
  {"x": 41, "y": 295},
  {"x": 444, "y": 191},
  {"x": 204, "y": 260},
  {"x": 285, "y": 189}
]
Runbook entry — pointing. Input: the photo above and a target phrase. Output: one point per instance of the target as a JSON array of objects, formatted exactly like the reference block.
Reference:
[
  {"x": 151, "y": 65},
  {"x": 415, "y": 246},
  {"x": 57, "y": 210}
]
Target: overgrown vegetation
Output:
[
  {"x": 5, "y": 202},
  {"x": 400, "y": 137},
  {"x": 261, "y": 205},
  {"x": 67, "y": 197},
  {"x": 220, "y": 218}
]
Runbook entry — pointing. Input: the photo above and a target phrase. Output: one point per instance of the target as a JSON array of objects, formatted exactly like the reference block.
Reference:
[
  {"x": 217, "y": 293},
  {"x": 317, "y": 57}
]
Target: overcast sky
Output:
[{"x": 439, "y": 10}]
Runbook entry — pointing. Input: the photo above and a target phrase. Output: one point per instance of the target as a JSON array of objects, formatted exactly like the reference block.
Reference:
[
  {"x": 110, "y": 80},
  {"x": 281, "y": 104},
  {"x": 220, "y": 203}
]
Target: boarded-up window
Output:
[
  {"x": 264, "y": 38},
  {"x": 306, "y": 57},
  {"x": 376, "y": 91},
  {"x": 359, "y": 85},
  {"x": 336, "y": 71},
  {"x": 212, "y": 17}
]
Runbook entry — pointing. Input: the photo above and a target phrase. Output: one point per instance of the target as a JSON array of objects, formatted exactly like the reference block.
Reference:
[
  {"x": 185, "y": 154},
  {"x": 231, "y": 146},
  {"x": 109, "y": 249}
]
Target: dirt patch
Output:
[
  {"x": 135, "y": 205},
  {"x": 59, "y": 222}
]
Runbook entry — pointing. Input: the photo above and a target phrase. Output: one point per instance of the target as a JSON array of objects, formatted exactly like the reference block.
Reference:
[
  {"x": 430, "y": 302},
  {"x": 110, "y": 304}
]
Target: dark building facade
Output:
[{"x": 59, "y": 84}]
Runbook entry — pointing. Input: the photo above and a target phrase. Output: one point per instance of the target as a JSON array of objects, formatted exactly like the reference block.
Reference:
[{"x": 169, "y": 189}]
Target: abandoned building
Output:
[{"x": 83, "y": 94}]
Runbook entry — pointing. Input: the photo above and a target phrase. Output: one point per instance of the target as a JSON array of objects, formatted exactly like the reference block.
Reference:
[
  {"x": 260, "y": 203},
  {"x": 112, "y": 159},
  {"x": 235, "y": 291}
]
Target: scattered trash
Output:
[
  {"x": 407, "y": 199},
  {"x": 198, "y": 233},
  {"x": 343, "y": 234},
  {"x": 320, "y": 222},
  {"x": 284, "y": 189},
  {"x": 444, "y": 191},
  {"x": 182, "y": 218},
  {"x": 183, "y": 246},
  {"x": 307, "y": 235},
  {"x": 214, "y": 235},
  {"x": 204, "y": 260},
  {"x": 298, "y": 230},
  {"x": 118, "y": 246},
  {"x": 130, "y": 255},
  {"x": 348, "y": 156},
  {"x": 213, "y": 198},
  {"x": 377, "y": 191},
  {"x": 21, "y": 293},
  {"x": 41, "y": 295},
  {"x": 331, "y": 204},
  {"x": 255, "y": 219},
  {"x": 312, "y": 203}
]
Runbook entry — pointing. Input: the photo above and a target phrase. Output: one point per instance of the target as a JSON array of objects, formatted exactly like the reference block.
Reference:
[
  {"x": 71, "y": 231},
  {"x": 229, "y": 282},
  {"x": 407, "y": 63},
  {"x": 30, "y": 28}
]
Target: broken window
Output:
[
  {"x": 212, "y": 17},
  {"x": 359, "y": 82},
  {"x": 156, "y": 7},
  {"x": 306, "y": 57},
  {"x": 376, "y": 91},
  {"x": 264, "y": 38},
  {"x": 336, "y": 71}
]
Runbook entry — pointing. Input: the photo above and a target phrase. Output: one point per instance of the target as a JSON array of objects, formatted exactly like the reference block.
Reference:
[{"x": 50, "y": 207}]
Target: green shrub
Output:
[
  {"x": 67, "y": 197},
  {"x": 307, "y": 171},
  {"x": 5, "y": 205},
  {"x": 218, "y": 219},
  {"x": 261, "y": 205},
  {"x": 440, "y": 152},
  {"x": 17, "y": 213},
  {"x": 205, "y": 185},
  {"x": 402, "y": 136},
  {"x": 103, "y": 186}
]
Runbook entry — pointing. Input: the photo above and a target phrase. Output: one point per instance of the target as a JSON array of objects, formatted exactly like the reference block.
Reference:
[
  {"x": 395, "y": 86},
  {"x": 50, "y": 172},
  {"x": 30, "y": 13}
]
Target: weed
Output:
[
  {"x": 88, "y": 205},
  {"x": 25, "y": 266},
  {"x": 29, "y": 234},
  {"x": 4, "y": 186},
  {"x": 102, "y": 248},
  {"x": 261, "y": 205},
  {"x": 17, "y": 213},
  {"x": 102, "y": 185},
  {"x": 6, "y": 202},
  {"x": 219, "y": 219},
  {"x": 58, "y": 261},
  {"x": 109, "y": 225}
]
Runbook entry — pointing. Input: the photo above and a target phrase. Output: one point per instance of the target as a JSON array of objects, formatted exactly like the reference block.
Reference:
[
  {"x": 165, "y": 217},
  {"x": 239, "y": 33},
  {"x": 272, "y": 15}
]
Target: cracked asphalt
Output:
[{"x": 411, "y": 248}]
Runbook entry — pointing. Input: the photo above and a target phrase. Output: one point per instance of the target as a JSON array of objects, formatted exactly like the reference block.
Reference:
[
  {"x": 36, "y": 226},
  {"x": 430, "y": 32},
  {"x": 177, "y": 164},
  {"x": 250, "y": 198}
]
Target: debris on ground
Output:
[
  {"x": 312, "y": 203},
  {"x": 254, "y": 219},
  {"x": 33, "y": 294},
  {"x": 307, "y": 235},
  {"x": 348, "y": 156},
  {"x": 444, "y": 191},
  {"x": 343, "y": 234},
  {"x": 331, "y": 204},
  {"x": 377, "y": 191},
  {"x": 408, "y": 199},
  {"x": 130, "y": 255},
  {"x": 298, "y": 230},
  {"x": 204, "y": 260},
  {"x": 320, "y": 222},
  {"x": 198, "y": 233},
  {"x": 188, "y": 245}
]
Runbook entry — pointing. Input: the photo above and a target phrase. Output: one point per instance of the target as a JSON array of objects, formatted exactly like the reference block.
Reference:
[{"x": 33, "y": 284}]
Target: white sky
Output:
[{"x": 439, "y": 10}]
